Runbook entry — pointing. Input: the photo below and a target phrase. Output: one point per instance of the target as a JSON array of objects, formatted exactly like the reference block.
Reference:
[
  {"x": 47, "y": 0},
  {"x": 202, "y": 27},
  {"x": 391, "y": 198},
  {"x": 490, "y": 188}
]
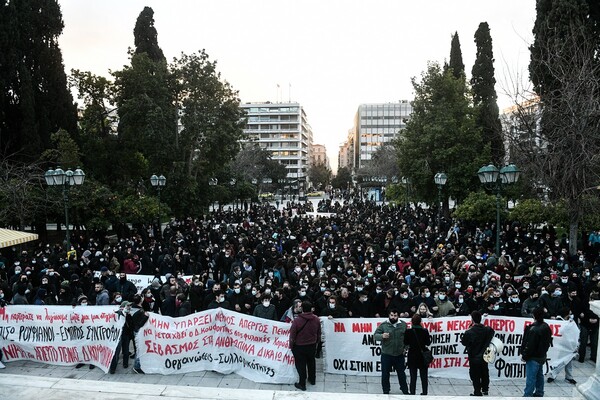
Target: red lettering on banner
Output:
[
  {"x": 555, "y": 329},
  {"x": 12, "y": 351},
  {"x": 339, "y": 327},
  {"x": 435, "y": 326},
  {"x": 362, "y": 327},
  {"x": 505, "y": 325},
  {"x": 458, "y": 325}
]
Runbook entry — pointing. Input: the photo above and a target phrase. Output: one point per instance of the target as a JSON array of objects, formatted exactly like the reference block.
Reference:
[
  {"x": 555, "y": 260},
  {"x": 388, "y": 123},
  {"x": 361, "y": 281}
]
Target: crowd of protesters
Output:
[{"x": 361, "y": 259}]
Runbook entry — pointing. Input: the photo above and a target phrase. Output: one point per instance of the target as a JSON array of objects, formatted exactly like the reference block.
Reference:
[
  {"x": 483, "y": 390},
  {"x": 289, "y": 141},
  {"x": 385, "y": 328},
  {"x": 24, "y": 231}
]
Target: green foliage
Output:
[
  {"x": 319, "y": 175},
  {"x": 138, "y": 209},
  {"x": 479, "y": 207},
  {"x": 396, "y": 193},
  {"x": 441, "y": 136},
  {"x": 530, "y": 212},
  {"x": 147, "y": 116},
  {"x": 342, "y": 179},
  {"x": 456, "y": 64},
  {"x": 484, "y": 94},
  {"x": 146, "y": 37},
  {"x": 210, "y": 114},
  {"x": 34, "y": 98},
  {"x": 66, "y": 152}
]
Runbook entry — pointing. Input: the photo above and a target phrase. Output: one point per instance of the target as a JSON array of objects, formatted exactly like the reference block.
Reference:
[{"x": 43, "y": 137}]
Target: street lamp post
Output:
[
  {"x": 440, "y": 180},
  {"x": 158, "y": 182},
  {"x": 494, "y": 180},
  {"x": 58, "y": 177}
]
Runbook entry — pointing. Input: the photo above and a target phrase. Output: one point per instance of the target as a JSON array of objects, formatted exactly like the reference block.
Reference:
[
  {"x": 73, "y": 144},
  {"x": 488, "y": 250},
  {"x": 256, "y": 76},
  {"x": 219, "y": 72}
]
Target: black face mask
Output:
[{"x": 393, "y": 320}]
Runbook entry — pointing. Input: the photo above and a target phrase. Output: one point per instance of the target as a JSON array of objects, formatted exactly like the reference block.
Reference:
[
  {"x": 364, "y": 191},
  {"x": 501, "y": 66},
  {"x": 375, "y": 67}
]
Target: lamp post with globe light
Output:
[
  {"x": 495, "y": 180},
  {"x": 440, "y": 180},
  {"x": 158, "y": 182},
  {"x": 65, "y": 179}
]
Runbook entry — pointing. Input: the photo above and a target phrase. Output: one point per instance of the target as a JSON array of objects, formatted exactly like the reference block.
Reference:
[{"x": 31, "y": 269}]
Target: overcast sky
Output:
[{"x": 328, "y": 55}]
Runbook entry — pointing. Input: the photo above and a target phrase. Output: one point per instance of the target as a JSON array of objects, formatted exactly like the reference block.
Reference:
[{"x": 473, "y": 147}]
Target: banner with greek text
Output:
[
  {"x": 217, "y": 340},
  {"x": 350, "y": 347},
  {"x": 60, "y": 335}
]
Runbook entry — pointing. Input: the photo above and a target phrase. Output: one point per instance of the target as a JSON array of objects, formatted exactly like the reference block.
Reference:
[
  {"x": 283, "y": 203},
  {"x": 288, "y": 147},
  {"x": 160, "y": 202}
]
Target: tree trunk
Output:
[{"x": 573, "y": 230}]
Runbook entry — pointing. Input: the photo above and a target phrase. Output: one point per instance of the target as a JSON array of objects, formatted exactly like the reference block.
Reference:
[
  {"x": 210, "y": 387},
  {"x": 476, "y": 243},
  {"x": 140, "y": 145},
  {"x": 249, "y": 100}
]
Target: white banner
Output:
[
  {"x": 350, "y": 348},
  {"x": 218, "y": 340},
  {"x": 60, "y": 335}
]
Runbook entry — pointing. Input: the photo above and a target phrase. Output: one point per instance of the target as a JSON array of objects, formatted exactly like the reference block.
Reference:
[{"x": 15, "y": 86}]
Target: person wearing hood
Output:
[{"x": 305, "y": 332}]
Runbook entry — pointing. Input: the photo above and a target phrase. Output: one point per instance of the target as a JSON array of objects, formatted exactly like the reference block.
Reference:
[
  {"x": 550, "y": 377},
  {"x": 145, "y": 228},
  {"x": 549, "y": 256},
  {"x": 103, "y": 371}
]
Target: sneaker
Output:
[
  {"x": 550, "y": 380},
  {"x": 138, "y": 371},
  {"x": 79, "y": 365},
  {"x": 92, "y": 366},
  {"x": 571, "y": 380}
]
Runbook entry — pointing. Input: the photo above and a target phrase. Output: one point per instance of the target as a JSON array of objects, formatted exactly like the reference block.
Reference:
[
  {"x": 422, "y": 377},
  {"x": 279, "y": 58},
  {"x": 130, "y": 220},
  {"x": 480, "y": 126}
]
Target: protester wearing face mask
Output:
[
  {"x": 444, "y": 306},
  {"x": 219, "y": 302},
  {"x": 512, "y": 306},
  {"x": 334, "y": 309},
  {"x": 552, "y": 302},
  {"x": 530, "y": 304},
  {"x": 265, "y": 309}
]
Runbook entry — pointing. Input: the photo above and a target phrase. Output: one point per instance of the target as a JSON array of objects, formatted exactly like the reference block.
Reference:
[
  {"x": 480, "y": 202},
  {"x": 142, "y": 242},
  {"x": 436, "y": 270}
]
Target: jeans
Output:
[
  {"x": 387, "y": 362},
  {"x": 534, "y": 379},
  {"x": 480, "y": 376}
]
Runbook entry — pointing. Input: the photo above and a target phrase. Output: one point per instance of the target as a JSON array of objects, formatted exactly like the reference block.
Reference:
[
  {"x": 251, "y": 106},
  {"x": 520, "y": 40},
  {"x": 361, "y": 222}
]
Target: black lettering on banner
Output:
[
  {"x": 36, "y": 334},
  {"x": 178, "y": 363},
  {"x": 6, "y": 331}
]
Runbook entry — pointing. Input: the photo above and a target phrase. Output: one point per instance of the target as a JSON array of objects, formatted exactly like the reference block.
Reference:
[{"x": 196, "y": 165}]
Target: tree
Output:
[
  {"x": 456, "y": 64},
  {"x": 34, "y": 99},
  {"x": 565, "y": 71},
  {"x": 441, "y": 136},
  {"x": 479, "y": 207},
  {"x": 319, "y": 175},
  {"x": 384, "y": 162},
  {"x": 146, "y": 36},
  {"x": 484, "y": 94},
  {"x": 144, "y": 97},
  {"x": 342, "y": 179},
  {"x": 210, "y": 114}
]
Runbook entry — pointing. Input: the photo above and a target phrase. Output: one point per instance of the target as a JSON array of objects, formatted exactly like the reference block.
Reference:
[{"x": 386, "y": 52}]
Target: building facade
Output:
[
  {"x": 284, "y": 131},
  {"x": 319, "y": 155},
  {"x": 374, "y": 125}
]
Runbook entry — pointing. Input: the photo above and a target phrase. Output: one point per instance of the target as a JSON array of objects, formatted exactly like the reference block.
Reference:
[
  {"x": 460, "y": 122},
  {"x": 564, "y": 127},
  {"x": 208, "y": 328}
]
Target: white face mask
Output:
[
  {"x": 332, "y": 306},
  {"x": 266, "y": 303},
  {"x": 427, "y": 294},
  {"x": 84, "y": 304},
  {"x": 118, "y": 299},
  {"x": 461, "y": 301},
  {"x": 254, "y": 292},
  {"x": 442, "y": 296},
  {"x": 221, "y": 299},
  {"x": 236, "y": 290}
]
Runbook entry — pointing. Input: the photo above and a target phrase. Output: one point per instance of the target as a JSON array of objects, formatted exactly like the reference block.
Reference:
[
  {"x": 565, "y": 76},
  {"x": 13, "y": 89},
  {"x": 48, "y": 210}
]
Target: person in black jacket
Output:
[
  {"x": 476, "y": 339},
  {"x": 534, "y": 349},
  {"x": 417, "y": 339}
]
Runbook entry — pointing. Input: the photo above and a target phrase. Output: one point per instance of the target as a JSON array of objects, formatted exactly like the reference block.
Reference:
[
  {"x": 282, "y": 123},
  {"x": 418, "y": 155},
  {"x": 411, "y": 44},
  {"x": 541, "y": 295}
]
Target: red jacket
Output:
[{"x": 305, "y": 330}]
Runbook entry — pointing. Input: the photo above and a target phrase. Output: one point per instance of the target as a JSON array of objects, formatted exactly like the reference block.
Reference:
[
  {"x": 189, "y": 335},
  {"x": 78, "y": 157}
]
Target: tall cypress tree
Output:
[
  {"x": 456, "y": 61},
  {"x": 146, "y": 37},
  {"x": 484, "y": 94},
  {"x": 34, "y": 98},
  {"x": 147, "y": 115}
]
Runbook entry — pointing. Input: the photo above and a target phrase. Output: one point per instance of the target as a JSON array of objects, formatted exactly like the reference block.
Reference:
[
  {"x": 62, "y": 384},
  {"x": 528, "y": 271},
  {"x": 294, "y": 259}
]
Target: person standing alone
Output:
[
  {"x": 417, "y": 339},
  {"x": 305, "y": 332},
  {"x": 476, "y": 339},
  {"x": 391, "y": 335},
  {"x": 534, "y": 350}
]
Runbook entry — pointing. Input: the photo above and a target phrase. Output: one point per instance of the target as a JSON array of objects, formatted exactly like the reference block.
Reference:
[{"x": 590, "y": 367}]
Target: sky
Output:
[{"x": 328, "y": 55}]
